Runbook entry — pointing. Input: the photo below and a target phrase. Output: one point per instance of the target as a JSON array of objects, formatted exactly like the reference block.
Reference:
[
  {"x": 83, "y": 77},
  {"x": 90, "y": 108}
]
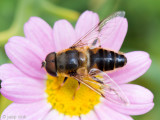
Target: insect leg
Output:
[
  {"x": 99, "y": 81},
  {"x": 95, "y": 42},
  {"x": 89, "y": 86},
  {"x": 99, "y": 42},
  {"x": 65, "y": 79},
  {"x": 78, "y": 87}
]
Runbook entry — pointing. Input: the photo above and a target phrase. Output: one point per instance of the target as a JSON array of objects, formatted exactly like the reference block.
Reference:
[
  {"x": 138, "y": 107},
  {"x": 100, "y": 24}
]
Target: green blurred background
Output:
[{"x": 143, "y": 32}]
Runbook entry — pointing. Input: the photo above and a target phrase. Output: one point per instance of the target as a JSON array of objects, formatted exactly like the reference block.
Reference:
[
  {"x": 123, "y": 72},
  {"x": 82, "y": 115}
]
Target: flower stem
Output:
[
  {"x": 16, "y": 25},
  {"x": 60, "y": 11},
  {"x": 21, "y": 15}
]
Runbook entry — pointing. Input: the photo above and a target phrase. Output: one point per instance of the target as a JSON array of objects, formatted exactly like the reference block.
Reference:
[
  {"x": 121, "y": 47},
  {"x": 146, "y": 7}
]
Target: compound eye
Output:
[
  {"x": 51, "y": 68},
  {"x": 51, "y": 64}
]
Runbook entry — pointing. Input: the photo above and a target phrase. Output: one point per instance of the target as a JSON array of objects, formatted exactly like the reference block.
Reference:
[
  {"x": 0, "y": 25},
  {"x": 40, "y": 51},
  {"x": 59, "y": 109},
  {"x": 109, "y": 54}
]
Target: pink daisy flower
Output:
[{"x": 35, "y": 94}]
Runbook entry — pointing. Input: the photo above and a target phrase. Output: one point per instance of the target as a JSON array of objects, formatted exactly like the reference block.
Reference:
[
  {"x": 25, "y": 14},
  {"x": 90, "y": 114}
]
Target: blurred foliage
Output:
[{"x": 143, "y": 33}]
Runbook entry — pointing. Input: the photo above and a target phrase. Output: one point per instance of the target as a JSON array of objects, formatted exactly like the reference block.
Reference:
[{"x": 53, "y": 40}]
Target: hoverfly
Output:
[{"x": 87, "y": 59}]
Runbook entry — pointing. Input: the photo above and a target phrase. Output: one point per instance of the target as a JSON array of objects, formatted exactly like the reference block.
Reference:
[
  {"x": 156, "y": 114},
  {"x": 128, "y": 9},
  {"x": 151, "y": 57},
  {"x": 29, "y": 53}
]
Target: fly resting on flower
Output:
[{"x": 87, "y": 62}]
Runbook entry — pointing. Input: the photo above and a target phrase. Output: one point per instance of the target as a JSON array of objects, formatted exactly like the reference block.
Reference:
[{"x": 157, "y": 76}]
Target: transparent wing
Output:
[
  {"x": 101, "y": 83},
  {"x": 101, "y": 32}
]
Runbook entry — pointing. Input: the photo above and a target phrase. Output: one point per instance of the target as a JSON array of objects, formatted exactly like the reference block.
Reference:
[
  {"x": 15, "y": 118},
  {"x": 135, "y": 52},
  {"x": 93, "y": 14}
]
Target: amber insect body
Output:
[{"x": 86, "y": 58}]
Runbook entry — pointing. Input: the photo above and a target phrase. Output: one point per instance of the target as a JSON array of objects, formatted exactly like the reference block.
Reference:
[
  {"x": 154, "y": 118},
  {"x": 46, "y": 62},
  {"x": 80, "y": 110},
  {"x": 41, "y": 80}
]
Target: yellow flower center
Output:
[{"x": 61, "y": 98}]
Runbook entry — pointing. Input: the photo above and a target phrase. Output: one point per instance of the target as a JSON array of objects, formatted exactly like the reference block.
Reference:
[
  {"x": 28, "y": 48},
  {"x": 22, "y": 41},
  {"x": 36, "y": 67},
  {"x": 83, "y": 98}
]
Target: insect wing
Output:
[
  {"x": 88, "y": 83},
  {"x": 101, "y": 32},
  {"x": 111, "y": 89},
  {"x": 108, "y": 87}
]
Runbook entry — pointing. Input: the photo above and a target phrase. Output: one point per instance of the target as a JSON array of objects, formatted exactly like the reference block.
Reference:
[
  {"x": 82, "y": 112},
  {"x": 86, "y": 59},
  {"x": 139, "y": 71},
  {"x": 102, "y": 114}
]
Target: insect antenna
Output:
[{"x": 43, "y": 64}]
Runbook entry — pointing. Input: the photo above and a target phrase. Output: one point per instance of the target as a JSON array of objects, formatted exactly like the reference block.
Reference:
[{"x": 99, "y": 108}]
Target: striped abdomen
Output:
[{"x": 105, "y": 60}]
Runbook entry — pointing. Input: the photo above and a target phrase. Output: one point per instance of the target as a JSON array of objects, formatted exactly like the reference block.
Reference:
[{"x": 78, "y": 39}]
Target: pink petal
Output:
[
  {"x": 10, "y": 76},
  {"x": 137, "y": 94},
  {"x": 23, "y": 89},
  {"x": 54, "y": 115},
  {"x": 34, "y": 111},
  {"x": 90, "y": 116},
  {"x": 64, "y": 35},
  {"x": 106, "y": 113},
  {"x": 103, "y": 115},
  {"x": 26, "y": 56},
  {"x": 66, "y": 117},
  {"x": 40, "y": 33},
  {"x": 141, "y": 100},
  {"x": 132, "y": 109},
  {"x": 114, "y": 33},
  {"x": 138, "y": 63},
  {"x": 86, "y": 22},
  {"x": 8, "y": 71}
]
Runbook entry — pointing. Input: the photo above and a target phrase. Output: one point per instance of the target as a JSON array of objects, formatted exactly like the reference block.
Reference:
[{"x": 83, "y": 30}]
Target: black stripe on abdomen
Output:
[
  {"x": 109, "y": 60},
  {"x": 100, "y": 61},
  {"x": 96, "y": 58},
  {"x": 105, "y": 60}
]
